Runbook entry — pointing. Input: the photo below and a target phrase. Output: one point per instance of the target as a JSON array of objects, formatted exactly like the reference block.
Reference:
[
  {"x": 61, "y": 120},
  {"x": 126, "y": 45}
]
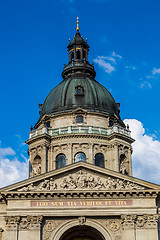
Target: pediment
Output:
[{"x": 80, "y": 177}]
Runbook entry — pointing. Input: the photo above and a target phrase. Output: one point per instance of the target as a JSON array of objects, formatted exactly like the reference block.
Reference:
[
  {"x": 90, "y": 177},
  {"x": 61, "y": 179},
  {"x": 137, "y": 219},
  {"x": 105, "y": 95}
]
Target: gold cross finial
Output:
[{"x": 77, "y": 24}]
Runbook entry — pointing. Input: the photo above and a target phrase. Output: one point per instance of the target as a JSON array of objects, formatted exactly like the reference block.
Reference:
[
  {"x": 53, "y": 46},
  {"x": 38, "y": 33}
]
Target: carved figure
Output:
[
  {"x": 44, "y": 185},
  {"x": 82, "y": 220},
  {"x": 71, "y": 182},
  {"x": 99, "y": 183},
  {"x": 37, "y": 170},
  {"x": 123, "y": 168},
  {"x": 53, "y": 185},
  {"x": 91, "y": 183},
  {"x": 82, "y": 181}
]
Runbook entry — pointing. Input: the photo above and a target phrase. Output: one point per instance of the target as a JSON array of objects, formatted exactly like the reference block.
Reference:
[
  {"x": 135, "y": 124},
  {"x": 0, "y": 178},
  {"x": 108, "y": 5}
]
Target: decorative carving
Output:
[
  {"x": 30, "y": 222},
  {"x": 37, "y": 169},
  {"x": 114, "y": 225},
  {"x": 147, "y": 221},
  {"x": 24, "y": 223},
  {"x": 35, "y": 222},
  {"x": 49, "y": 227},
  {"x": 128, "y": 221},
  {"x": 141, "y": 221},
  {"x": 152, "y": 221},
  {"x": 82, "y": 220},
  {"x": 12, "y": 222},
  {"x": 82, "y": 180}
]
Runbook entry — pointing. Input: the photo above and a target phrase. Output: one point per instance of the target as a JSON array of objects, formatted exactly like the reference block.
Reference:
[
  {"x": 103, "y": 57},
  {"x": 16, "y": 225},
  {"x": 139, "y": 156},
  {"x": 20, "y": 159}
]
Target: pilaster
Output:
[
  {"x": 12, "y": 226},
  {"x": 128, "y": 226}
]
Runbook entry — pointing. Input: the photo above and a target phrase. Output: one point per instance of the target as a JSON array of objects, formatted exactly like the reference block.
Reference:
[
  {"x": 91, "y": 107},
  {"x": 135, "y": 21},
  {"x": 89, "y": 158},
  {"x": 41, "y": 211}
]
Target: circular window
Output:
[
  {"x": 60, "y": 161},
  {"x": 99, "y": 160},
  {"x": 80, "y": 157}
]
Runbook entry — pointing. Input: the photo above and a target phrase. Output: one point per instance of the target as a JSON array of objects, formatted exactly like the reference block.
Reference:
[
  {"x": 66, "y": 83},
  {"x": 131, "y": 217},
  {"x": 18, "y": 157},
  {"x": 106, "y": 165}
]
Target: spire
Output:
[{"x": 77, "y": 24}]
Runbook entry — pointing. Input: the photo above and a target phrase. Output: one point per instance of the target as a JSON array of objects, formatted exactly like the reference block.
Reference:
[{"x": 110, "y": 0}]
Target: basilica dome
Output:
[{"x": 79, "y": 91}]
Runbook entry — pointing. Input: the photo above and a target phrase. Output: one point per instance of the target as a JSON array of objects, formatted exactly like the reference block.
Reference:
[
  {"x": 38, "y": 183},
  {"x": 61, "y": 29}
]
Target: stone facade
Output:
[{"x": 80, "y": 184}]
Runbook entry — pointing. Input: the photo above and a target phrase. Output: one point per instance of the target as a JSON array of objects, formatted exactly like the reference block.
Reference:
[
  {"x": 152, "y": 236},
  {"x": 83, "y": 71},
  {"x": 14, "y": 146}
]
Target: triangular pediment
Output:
[{"x": 80, "y": 176}]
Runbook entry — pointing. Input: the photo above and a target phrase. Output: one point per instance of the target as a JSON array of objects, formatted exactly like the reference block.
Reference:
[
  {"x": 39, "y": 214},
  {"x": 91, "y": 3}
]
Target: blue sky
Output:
[{"x": 124, "y": 44}]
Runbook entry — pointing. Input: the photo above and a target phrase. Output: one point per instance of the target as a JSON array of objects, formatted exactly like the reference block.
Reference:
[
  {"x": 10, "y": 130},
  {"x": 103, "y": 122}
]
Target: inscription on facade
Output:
[{"x": 68, "y": 204}]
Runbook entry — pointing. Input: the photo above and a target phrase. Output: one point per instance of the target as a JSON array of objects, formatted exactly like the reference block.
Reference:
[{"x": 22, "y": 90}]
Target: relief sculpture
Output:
[{"x": 82, "y": 180}]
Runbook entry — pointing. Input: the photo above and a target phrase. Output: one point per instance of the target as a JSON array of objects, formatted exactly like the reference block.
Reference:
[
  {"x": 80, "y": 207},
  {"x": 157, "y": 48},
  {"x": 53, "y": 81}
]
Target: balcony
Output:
[{"x": 80, "y": 129}]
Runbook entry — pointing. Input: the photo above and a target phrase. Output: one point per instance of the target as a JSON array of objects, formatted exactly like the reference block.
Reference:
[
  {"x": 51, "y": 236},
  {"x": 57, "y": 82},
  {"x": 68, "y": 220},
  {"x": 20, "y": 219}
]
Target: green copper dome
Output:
[{"x": 79, "y": 92}]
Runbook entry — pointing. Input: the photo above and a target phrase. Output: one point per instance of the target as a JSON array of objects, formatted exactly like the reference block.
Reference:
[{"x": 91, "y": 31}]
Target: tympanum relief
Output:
[{"x": 81, "y": 180}]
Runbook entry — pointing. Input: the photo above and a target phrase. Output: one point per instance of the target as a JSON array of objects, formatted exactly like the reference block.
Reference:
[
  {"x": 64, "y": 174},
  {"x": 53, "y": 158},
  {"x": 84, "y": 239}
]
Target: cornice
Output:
[{"x": 46, "y": 195}]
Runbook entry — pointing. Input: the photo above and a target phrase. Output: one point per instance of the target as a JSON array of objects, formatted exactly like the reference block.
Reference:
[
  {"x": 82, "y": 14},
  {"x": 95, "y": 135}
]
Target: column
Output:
[
  {"x": 53, "y": 158},
  {"x": 69, "y": 153},
  {"x": 90, "y": 153},
  {"x": 116, "y": 163},
  {"x": 44, "y": 158},
  {"x": 130, "y": 161}
]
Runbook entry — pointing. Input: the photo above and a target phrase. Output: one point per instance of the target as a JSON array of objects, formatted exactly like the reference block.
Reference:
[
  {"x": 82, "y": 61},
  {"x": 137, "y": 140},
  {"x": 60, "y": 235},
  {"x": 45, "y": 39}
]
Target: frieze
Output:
[{"x": 82, "y": 180}]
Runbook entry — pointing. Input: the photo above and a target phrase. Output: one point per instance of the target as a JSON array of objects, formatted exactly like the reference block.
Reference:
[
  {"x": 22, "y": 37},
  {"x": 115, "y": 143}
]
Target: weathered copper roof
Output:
[{"x": 64, "y": 98}]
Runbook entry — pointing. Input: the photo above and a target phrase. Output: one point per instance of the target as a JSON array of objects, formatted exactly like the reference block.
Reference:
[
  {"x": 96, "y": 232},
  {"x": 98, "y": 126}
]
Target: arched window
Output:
[
  {"x": 60, "y": 161},
  {"x": 37, "y": 159},
  {"x": 78, "y": 55},
  {"x": 79, "y": 119},
  {"x": 99, "y": 160},
  {"x": 80, "y": 157}
]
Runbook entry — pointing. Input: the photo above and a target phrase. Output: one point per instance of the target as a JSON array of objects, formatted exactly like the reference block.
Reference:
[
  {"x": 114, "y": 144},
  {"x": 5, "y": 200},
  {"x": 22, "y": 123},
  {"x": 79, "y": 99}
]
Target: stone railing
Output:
[{"x": 80, "y": 129}]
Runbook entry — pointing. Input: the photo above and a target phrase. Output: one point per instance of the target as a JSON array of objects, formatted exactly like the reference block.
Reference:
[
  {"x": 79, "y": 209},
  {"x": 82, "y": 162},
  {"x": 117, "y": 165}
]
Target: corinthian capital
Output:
[
  {"x": 12, "y": 222},
  {"x": 128, "y": 221}
]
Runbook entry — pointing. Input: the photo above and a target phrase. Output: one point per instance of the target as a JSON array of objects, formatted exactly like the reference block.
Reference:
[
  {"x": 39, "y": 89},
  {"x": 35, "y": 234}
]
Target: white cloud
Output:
[
  {"x": 11, "y": 169},
  {"x": 145, "y": 84},
  {"x": 146, "y": 153},
  {"x": 105, "y": 65},
  {"x": 130, "y": 67},
  {"x": 108, "y": 62},
  {"x": 116, "y": 55},
  {"x": 156, "y": 71}
]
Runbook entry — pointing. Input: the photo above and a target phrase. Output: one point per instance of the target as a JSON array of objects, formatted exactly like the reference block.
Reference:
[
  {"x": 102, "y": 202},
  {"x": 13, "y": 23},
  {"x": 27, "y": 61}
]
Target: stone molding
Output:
[
  {"x": 82, "y": 180},
  {"x": 140, "y": 221}
]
